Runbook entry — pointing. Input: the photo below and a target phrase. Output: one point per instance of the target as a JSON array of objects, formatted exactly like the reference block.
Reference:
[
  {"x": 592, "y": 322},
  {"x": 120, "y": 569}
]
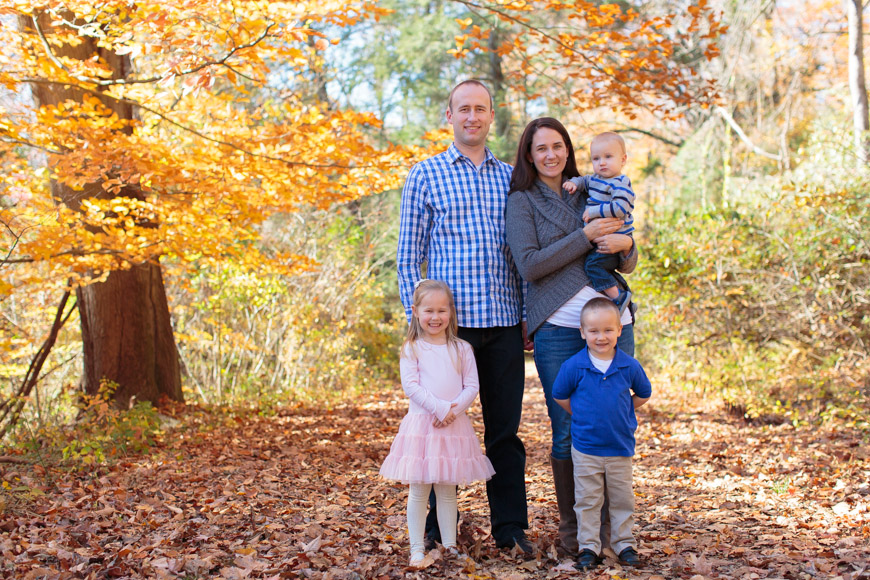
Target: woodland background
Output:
[{"x": 200, "y": 203}]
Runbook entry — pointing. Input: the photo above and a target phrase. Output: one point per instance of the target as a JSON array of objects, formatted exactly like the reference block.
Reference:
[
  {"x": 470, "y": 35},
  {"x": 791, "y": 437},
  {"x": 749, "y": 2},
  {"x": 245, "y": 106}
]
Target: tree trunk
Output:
[
  {"x": 857, "y": 84},
  {"x": 127, "y": 334},
  {"x": 499, "y": 89}
]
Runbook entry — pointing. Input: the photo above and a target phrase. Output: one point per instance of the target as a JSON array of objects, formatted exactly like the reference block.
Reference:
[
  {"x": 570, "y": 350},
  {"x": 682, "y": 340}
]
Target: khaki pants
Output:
[{"x": 591, "y": 474}]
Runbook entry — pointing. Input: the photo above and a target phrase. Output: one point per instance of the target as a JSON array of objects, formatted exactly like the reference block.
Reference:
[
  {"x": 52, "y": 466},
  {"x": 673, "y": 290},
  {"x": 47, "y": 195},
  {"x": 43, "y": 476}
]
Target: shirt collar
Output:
[
  {"x": 453, "y": 153},
  {"x": 620, "y": 360}
]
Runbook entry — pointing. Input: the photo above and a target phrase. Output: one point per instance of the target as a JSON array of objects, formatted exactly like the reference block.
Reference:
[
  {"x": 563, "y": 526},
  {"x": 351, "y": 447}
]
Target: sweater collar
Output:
[{"x": 564, "y": 214}]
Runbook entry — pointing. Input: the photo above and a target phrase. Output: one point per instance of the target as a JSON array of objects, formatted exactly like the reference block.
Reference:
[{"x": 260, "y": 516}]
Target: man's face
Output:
[{"x": 471, "y": 115}]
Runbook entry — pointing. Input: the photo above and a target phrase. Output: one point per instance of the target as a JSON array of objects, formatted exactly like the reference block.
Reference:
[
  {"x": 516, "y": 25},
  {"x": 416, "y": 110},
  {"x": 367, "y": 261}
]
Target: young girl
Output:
[{"x": 436, "y": 444}]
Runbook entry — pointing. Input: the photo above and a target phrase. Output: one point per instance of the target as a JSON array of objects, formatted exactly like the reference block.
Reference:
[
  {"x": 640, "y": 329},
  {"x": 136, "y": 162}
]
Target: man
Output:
[{"x": 452, "y": 219}]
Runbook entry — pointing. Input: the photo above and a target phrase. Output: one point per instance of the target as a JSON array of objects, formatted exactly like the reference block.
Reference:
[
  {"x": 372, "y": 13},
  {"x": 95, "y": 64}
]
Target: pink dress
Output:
[{"x": 421, "y": 453}]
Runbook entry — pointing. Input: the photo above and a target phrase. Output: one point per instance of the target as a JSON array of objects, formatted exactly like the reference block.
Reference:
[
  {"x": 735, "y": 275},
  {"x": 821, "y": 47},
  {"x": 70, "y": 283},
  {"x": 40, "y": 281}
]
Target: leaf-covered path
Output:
[{"x": 296, "y": 496}]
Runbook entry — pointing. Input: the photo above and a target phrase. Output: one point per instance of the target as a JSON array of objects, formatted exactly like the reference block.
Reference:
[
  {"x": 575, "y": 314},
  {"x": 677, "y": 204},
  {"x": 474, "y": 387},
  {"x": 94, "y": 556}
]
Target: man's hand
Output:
[{"x": 528, "y": 343}]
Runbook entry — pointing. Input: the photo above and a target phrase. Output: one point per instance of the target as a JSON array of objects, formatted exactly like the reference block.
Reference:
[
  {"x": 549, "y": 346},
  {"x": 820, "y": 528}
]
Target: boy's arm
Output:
[
  {"x": 640, "y": 387},
  {"x": 565, "y": 385},
  {"x": 621, "y": 197},
  {"x": 565, "y": 404},
  {"x": 579, "y": 181}
]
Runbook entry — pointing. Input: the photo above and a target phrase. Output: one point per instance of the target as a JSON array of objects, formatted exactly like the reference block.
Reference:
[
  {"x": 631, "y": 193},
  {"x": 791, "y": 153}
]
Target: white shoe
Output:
[{"x": 417, "y": 560}]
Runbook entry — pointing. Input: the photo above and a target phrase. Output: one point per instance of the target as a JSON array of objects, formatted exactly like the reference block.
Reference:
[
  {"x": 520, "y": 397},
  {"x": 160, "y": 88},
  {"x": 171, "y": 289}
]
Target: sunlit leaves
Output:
[
  {"x": 201, "y": 165},
  {"x": 621, "y": 60}
]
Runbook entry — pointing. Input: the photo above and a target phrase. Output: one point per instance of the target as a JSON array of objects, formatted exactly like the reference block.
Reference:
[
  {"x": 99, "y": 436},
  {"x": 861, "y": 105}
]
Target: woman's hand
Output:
[
  {"x": 613, "y": 243},
  {"x": 601, "y": 227}
]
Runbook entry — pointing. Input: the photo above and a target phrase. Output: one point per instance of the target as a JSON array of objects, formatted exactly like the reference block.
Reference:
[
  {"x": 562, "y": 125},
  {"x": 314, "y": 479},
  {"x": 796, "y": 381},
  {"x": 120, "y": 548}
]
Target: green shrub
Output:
[{"x": 765, "y": 303}]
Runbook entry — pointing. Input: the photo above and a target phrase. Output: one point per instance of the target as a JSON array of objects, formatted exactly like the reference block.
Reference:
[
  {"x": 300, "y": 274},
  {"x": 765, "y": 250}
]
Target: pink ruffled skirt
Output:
[{"x": 421, "y": 453}]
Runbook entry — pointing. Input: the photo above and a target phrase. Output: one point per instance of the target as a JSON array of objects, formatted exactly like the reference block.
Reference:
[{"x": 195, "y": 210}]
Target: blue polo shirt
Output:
[{"x": 602, "y": 411}]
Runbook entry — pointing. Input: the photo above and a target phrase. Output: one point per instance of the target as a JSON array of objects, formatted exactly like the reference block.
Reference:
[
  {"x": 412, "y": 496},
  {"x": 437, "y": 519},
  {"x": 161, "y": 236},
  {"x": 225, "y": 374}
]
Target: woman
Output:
[{"x": 549, "y": 243}]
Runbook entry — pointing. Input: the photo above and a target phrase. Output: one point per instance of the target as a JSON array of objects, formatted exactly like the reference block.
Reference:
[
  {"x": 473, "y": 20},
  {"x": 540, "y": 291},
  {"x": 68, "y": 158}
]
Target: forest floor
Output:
[{"x": 296, "y": 495}]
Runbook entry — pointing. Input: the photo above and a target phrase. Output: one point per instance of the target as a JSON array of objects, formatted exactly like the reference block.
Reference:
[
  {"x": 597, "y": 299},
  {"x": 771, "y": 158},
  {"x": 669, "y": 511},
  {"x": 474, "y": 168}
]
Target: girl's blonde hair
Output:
[{"x": 415, "y": 330}]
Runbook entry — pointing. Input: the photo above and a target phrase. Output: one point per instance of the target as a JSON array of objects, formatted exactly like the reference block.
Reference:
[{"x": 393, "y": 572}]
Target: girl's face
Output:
[
  {"x": 549, "y": 155},
  {"x": 433, "y": 313}
]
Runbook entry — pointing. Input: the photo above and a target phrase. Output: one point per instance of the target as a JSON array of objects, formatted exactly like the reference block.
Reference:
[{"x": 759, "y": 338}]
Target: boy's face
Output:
[
  {"x": 601, "y": 329},
  {"x": 608, "y": 158}
]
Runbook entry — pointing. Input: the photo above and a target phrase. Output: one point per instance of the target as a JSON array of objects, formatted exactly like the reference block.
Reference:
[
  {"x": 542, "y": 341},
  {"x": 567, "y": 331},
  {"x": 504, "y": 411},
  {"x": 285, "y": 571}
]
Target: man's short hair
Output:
[
  {"x": 598, "y": 303},
  {"x": 469, "y": 82}
]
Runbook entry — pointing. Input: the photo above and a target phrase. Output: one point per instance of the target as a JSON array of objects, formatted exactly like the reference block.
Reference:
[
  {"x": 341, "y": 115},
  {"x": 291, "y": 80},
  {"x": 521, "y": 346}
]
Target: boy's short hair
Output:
[
  {"x": 599, "y": 303},
  {"x": 610, "y": 136}
]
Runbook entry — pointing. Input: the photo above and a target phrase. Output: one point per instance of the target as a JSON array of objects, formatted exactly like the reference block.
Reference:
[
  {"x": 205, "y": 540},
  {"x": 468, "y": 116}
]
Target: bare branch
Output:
[
  {"x": 743, "y": 137},
  {"x": 10, "y": 409},
  {"x": 201, "y": 135},
  {"x": 126, "y": 81},
  {"x": 31, "y": 145},
  {"x": 656, "y": 136}
]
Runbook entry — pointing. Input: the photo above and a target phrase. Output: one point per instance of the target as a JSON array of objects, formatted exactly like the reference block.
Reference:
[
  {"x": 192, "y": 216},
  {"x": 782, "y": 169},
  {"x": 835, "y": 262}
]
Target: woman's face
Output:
[{"x": 549, "y": 155}]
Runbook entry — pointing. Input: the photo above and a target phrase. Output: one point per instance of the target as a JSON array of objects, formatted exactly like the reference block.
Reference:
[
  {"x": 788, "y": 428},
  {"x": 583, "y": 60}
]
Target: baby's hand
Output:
[
  {"x": 586, "y": 217},
  {"x": 569, "y": 187}
]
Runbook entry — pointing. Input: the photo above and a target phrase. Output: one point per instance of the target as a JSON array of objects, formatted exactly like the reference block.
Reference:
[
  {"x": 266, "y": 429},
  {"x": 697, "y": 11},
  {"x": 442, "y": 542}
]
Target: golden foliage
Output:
[
  {"x": 623, "y": 60},
  {"x": 202, "y": 164}
]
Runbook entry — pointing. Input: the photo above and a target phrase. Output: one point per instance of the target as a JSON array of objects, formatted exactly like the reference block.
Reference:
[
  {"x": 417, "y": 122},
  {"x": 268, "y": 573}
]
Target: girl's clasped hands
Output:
[{"x": 447, "y": 420}]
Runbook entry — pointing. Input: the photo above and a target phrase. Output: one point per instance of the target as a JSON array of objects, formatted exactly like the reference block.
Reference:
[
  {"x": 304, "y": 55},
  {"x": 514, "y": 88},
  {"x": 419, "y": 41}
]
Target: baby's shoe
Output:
[
  {"x": 453, "y": 552},
  {"x": 622, "y": 300}
]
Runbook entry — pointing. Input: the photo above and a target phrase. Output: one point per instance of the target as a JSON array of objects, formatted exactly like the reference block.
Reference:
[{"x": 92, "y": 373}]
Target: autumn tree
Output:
[
  {"x": 173, "y": 132},
  {"x": 536, "y": 57},
  {"x": 156, "y": 150}
]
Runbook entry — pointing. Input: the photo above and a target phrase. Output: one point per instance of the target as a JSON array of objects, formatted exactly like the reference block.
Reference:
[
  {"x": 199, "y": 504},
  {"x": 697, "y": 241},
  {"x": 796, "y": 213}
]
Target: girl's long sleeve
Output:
[
  {"x": 419, "y": 395},
  {"x": 470, "y": 381}
]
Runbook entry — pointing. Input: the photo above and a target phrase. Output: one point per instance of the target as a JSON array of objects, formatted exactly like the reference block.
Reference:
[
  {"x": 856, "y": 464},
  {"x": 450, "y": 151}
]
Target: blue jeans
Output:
[
  {"x": 553, "y": 346},
  {"x": 600, "y": 269}
]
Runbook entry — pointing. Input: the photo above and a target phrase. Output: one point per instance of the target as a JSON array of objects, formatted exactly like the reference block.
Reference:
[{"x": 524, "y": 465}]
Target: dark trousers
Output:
[
  {"x": 501, "y": 370},
  {"x": 600, "y": 269}
]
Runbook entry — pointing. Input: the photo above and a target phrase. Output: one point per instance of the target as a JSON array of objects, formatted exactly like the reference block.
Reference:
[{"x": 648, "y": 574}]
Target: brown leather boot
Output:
[{"x": 563, "y": 478}]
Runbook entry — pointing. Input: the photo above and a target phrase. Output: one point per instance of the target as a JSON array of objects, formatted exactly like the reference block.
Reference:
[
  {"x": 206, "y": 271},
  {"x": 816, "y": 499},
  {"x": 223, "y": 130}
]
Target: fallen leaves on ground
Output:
[{"x": 296, "y": 495}]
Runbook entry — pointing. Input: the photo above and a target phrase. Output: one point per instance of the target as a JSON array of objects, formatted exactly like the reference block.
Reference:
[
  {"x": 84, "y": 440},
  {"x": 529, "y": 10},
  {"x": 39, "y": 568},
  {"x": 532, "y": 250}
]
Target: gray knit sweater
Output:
[{"x": 545, "y": 235}]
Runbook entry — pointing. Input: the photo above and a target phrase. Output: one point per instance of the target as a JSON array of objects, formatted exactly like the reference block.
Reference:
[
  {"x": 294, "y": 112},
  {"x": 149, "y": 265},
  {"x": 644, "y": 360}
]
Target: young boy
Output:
[
  {"x": 595, "y": 386},
  {"x": 610, "y": 195}
]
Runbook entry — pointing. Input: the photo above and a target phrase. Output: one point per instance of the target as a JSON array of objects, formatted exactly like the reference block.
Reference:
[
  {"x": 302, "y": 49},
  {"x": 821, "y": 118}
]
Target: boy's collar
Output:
[{"x": 619, "y": 358}]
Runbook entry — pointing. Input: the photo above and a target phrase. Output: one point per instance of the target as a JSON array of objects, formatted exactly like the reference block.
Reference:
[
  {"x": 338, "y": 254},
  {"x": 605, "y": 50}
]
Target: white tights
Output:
[{"x": 418, "y": 497}]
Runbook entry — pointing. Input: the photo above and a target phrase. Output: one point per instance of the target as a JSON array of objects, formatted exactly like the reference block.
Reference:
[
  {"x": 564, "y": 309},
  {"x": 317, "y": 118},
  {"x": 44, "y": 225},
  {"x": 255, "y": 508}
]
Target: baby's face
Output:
[{"x": 608, "y": 157}]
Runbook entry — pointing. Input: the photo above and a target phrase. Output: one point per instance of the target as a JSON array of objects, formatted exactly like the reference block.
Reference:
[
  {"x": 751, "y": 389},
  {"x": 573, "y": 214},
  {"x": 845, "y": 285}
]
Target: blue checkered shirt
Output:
[{"x": 452, "y": 219}]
